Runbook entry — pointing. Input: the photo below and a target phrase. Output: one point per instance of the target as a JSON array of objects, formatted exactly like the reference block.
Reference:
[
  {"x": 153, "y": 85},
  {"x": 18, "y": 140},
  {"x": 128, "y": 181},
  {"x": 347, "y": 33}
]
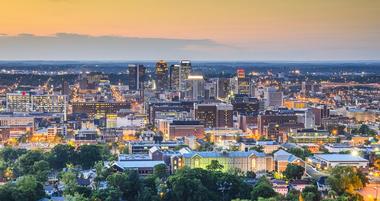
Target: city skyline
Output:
[{"x": 198, "y": 30}]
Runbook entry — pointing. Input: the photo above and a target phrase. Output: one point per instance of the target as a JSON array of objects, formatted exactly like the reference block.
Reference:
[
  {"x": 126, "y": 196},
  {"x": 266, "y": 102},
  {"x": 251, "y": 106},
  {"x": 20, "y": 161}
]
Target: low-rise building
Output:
[
  {"x": 333, "y": 160},
  {"x": 282, "y": 159},
  {"x": 245, "y": 161}
]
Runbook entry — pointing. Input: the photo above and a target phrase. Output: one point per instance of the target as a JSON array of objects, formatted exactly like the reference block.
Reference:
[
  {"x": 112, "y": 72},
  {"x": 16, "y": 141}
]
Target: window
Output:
[{"x": 197, "y": 163}]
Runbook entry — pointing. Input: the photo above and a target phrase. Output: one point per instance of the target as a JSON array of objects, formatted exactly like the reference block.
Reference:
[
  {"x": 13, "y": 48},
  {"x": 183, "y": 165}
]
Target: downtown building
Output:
[
  {"x": 25, "y": 102},
  {"x": 214, "y": 115},
  {"x": 136, "y": 77},
  {"x": 162, "y": 76}
]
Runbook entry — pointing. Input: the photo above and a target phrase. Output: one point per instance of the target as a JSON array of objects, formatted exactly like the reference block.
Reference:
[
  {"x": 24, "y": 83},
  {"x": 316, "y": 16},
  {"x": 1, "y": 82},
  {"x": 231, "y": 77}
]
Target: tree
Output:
[
  {"x": 69, "y": 178},
  {"x": 364, "y": 130},
  {"x": 251, "y": 174},
  {"x": 188, "y": 189},
  {"x": 61, "y": 155},
  {"x": 301, "y": 153},
  {"x": 128, "y": 184},
  {"x": 24, "y": 164},
  {"x": 76, "y": 197},
  {"x": 88, "y": 155},
  {"x": 262, "y": 189},
  {"x": 41, "y": 170},
  {"x": 9, "y": 155},
  {"x": 294, "y": 171},
  {"x": 160, "y": 171},
  {"x": 345, "y": 179},
  {"x": 28, "y": 189},
  {"x": 214, "y": 166},
  {"x": 108, "y": 194},
  {"x": 311, "y": 193},
  {"x": 258, "y": 148}
]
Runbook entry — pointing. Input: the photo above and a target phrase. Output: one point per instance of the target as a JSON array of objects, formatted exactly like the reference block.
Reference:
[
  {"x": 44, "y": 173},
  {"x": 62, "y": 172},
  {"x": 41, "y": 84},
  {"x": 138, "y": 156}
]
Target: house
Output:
[
  {"x": 299, "y": 184},
  {"x": 280, "y": 186},
  {"x": 322, "y": 184},
  {"x": 282, "y": 159}
]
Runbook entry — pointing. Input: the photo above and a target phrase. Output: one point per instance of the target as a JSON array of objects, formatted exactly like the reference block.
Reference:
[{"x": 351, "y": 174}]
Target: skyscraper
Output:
[
  {"x": 184, "y": 72},
  {"x": 214, "y": 115},
  {"x": 174, "y": 76},
  {"x": 243, "y": 82},
  {"x": 136, "y": 76},
  {"x": 197, "y": 87},
  {"x": 162, "y": 75},
  {"x": 223, "y": 87},
  {"x": 65, "y": 88}
]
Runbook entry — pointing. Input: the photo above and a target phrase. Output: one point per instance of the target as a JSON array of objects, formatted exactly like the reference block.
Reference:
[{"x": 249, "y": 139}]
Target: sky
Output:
[{"x": 198, "y": 29}]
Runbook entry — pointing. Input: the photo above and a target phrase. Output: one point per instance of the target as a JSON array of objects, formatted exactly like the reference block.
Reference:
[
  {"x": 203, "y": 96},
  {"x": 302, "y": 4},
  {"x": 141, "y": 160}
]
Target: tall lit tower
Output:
[
  {"x": 184, "y": 72},
  {"x": 162, "y": 75}
]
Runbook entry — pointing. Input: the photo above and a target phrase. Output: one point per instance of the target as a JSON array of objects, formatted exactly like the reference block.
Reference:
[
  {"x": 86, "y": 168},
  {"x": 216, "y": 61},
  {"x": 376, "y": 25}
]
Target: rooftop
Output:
[{"x": 340, "y": 157}]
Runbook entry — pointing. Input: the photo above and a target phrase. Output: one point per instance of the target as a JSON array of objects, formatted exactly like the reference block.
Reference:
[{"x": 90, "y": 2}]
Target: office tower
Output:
[
  {"x": 245, "y": 105},
  {"x": 18, "y": 102},
  {"x": 197, "y": 87},
  {"x": 273, "y": 98},
  {"x": 211, "y": 89},
  {"x": 162, "y": 75},
  {"x": 223, "y": 87},
  {"x": 136, "y": 76},
  {"x": 185, "y": 71},
  {"x": 240, "y": 73},
  {"x": 65, "y": 88},
  {"x": 320, "y": 112},
  {"x": 214, "y": 115},
  {"x": 273, "y": 124},
  {"x": 244, "y": 85},
  {"x": 175, "y": 76}
]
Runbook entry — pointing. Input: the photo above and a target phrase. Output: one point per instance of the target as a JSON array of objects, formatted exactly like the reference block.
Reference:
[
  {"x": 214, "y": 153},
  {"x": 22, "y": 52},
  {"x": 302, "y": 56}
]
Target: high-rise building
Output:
[
  {"x": 162, "y": 75},
  {"x": 184, "y": 73},
  {"x": 197, "y": 87},
  {"x": 214, "y": 115},
  {"x": 244, "y": 85},
  {"x": 136, "y": 76},
  {"x": 245, "y": 105},
  {"x": 65, "y": 88},
  {"x": 273, "y": 97},
  {"x": 223, "y": 88},
  {"x": 240, "y": 73},
  {"x": 175, "y": 76}
]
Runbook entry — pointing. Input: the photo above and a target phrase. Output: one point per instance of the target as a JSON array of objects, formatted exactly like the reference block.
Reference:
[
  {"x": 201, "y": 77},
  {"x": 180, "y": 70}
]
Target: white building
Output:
[{"x": 333, "y": 160}]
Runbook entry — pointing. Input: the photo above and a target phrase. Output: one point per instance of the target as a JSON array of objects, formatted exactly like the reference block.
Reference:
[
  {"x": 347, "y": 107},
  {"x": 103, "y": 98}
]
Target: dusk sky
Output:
[{"x": 196, "y": 29}]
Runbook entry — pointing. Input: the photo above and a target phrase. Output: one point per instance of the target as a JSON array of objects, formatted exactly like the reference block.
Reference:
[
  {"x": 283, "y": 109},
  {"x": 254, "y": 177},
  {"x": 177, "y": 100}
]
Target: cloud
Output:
[{"x": 70, "y": 46}]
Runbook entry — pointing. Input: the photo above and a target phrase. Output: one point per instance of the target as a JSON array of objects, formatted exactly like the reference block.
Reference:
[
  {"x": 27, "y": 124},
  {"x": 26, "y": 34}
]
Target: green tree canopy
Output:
[
  {"x": 215, "y": 166},
  {"x": 294, "y": 171},
  {"x": 346, "y": 180}
]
